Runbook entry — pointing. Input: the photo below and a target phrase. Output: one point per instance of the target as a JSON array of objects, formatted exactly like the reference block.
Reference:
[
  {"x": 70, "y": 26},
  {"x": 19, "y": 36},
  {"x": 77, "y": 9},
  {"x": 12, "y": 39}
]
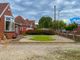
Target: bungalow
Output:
[
  {"x": 10, "y": 26},
  {"x": 7, "y": 26},
  {"x": 30, "y": 24},
  {"x": 19, "y": 25}
]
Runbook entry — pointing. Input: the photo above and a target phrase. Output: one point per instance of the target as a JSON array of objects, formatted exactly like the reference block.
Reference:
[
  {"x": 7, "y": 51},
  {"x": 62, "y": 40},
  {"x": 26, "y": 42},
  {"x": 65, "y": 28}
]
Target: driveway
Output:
[{"x": 40, "y": 52}]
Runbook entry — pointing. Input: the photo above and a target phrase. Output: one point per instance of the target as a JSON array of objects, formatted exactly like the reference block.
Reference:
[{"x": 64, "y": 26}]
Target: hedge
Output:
[{"x": 40, "y": 32}]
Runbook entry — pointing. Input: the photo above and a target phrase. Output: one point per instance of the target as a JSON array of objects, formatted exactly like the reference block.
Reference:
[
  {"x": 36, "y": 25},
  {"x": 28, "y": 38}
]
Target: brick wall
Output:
[
  {"x": 1, "y": 27},
  {"x": 2, "y": 24},
  {"x": 10, "y": 35}
]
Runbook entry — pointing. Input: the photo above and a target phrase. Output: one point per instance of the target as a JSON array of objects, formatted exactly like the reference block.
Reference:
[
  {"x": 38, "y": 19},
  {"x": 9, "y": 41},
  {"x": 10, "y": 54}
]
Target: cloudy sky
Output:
[{"x": 34, "y": 9}]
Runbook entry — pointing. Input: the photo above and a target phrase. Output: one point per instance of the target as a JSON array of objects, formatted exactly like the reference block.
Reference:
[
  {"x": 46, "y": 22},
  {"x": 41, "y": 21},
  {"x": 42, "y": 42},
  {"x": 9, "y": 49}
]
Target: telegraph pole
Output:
[{"x": 54, "y": 12}]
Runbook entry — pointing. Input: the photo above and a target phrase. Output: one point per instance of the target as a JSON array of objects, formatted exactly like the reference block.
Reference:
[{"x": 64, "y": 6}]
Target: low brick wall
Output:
[
  {"x": 70, "y": 36},
  {"x": 10, "y": 35},
  {"x": 77, "y": 38}
]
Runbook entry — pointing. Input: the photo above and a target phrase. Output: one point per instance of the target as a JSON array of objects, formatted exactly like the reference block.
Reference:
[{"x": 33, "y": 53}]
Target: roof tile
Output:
[{"x": 2, "y": 7}]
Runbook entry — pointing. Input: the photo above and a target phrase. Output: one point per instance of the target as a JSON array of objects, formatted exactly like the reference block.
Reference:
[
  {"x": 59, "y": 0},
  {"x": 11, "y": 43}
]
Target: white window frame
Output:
[{"x": 10, "y": 30}]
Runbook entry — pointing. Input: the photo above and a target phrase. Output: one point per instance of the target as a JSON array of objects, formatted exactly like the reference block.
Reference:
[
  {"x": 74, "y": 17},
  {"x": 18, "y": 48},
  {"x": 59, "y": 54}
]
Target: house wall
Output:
[
  {"x": 10, "y": 35},
  {"x": 17, "y": 29},
  {"x": 1, "y": 27},
  {"x": 23, "y": 29},
  {"x": 2, "y": 24},
  {"x": 29, "y": 23}
]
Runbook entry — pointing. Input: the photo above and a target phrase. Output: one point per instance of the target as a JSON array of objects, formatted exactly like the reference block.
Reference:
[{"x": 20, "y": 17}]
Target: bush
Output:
[{"x": 40, "y": 32}]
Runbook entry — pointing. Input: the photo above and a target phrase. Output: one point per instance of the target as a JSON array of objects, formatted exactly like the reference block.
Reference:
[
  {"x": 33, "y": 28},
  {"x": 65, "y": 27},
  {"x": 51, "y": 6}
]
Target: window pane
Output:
[
  {"x": 8, "y": 18},
  {"x": 7, "y": 25},
  {"x": 10, "y": 26}
]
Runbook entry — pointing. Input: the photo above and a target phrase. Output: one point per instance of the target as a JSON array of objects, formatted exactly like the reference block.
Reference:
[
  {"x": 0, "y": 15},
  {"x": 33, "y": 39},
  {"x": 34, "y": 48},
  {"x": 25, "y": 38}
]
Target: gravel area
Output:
[{"x": 40, "y": 52}]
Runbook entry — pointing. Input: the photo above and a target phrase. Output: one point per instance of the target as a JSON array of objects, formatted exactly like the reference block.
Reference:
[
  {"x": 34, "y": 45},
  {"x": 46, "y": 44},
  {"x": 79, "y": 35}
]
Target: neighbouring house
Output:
[
  {"x": 7, "y": 26},
  {"x": 30, "y": 24},
  {"x": 20, "y": 26}
]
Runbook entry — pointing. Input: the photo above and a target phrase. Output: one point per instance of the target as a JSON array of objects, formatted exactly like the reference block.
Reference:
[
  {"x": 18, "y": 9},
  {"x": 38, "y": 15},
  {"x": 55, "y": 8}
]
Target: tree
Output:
[
  {"x": 71, "y": 27},
  {"x": 58, "y": 25},
  {"x": 45, "y": 22}
]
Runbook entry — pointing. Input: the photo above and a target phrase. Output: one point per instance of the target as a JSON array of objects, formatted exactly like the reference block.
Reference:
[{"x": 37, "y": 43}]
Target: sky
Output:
[{"x": 35, "y": 9}]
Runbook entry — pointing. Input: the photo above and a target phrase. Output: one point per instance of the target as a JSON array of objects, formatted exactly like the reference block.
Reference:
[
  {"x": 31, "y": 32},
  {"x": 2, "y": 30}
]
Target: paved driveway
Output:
[{"x": 40, "y": 52}]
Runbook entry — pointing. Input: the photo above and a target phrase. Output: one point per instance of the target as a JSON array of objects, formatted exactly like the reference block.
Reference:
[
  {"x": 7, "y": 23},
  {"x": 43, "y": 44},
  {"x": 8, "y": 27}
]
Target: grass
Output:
[{"x": 42, "y": 38}]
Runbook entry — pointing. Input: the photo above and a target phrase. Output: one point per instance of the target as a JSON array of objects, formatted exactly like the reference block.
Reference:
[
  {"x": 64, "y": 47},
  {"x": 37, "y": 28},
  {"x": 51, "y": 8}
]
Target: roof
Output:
[
  {"x": 29, "y": 22},
  {"x": 2, "y": 7},
  {"x": 19, "y": 20}
]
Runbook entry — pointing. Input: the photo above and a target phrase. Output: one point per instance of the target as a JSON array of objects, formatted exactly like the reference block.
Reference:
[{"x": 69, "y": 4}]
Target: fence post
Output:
[{"x": 73, "y": 35}]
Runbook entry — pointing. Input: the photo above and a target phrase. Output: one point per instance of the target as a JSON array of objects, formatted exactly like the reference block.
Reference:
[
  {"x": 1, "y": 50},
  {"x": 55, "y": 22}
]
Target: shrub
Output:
[{"x": 40, "y": 32}]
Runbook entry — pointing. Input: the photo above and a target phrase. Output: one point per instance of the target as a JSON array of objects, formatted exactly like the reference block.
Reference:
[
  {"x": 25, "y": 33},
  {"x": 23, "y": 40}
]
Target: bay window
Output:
[{"x": 9, "y": 23}]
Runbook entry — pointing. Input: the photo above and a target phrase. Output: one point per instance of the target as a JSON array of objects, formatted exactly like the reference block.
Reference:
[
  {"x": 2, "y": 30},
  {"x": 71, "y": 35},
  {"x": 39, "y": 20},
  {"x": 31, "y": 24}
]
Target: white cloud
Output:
[
  {"x": 17, "y": 1},
  {"x": 59, "y": 1},
  {"x": 18, "y": 8},
  {"x": 3, "y": 1},
  {"x": 37, "y": 8},
  {"x": 73, "y": 2},
  {"x": 31, "y": 13},
  {"x": 27, "y": 3},
  {"x": 32, "y": 18},
  {"x": 42, "y": 2},
  {"x": 71, "y": 10}
]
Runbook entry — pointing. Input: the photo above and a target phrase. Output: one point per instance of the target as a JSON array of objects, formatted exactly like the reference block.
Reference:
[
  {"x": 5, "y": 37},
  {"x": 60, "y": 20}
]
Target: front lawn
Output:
[{"x": 42, "y": 38}]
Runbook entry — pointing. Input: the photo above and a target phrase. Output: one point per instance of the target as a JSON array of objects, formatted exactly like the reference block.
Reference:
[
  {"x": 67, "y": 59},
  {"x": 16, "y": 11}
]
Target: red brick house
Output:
[
  {"x": 7, "y": 26},
  {"x": 30, "y": 24},
  {"x": 10, "y": 26},
  {"x": 21, "y": 25},
  {"x": 18, "y": 25}
]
